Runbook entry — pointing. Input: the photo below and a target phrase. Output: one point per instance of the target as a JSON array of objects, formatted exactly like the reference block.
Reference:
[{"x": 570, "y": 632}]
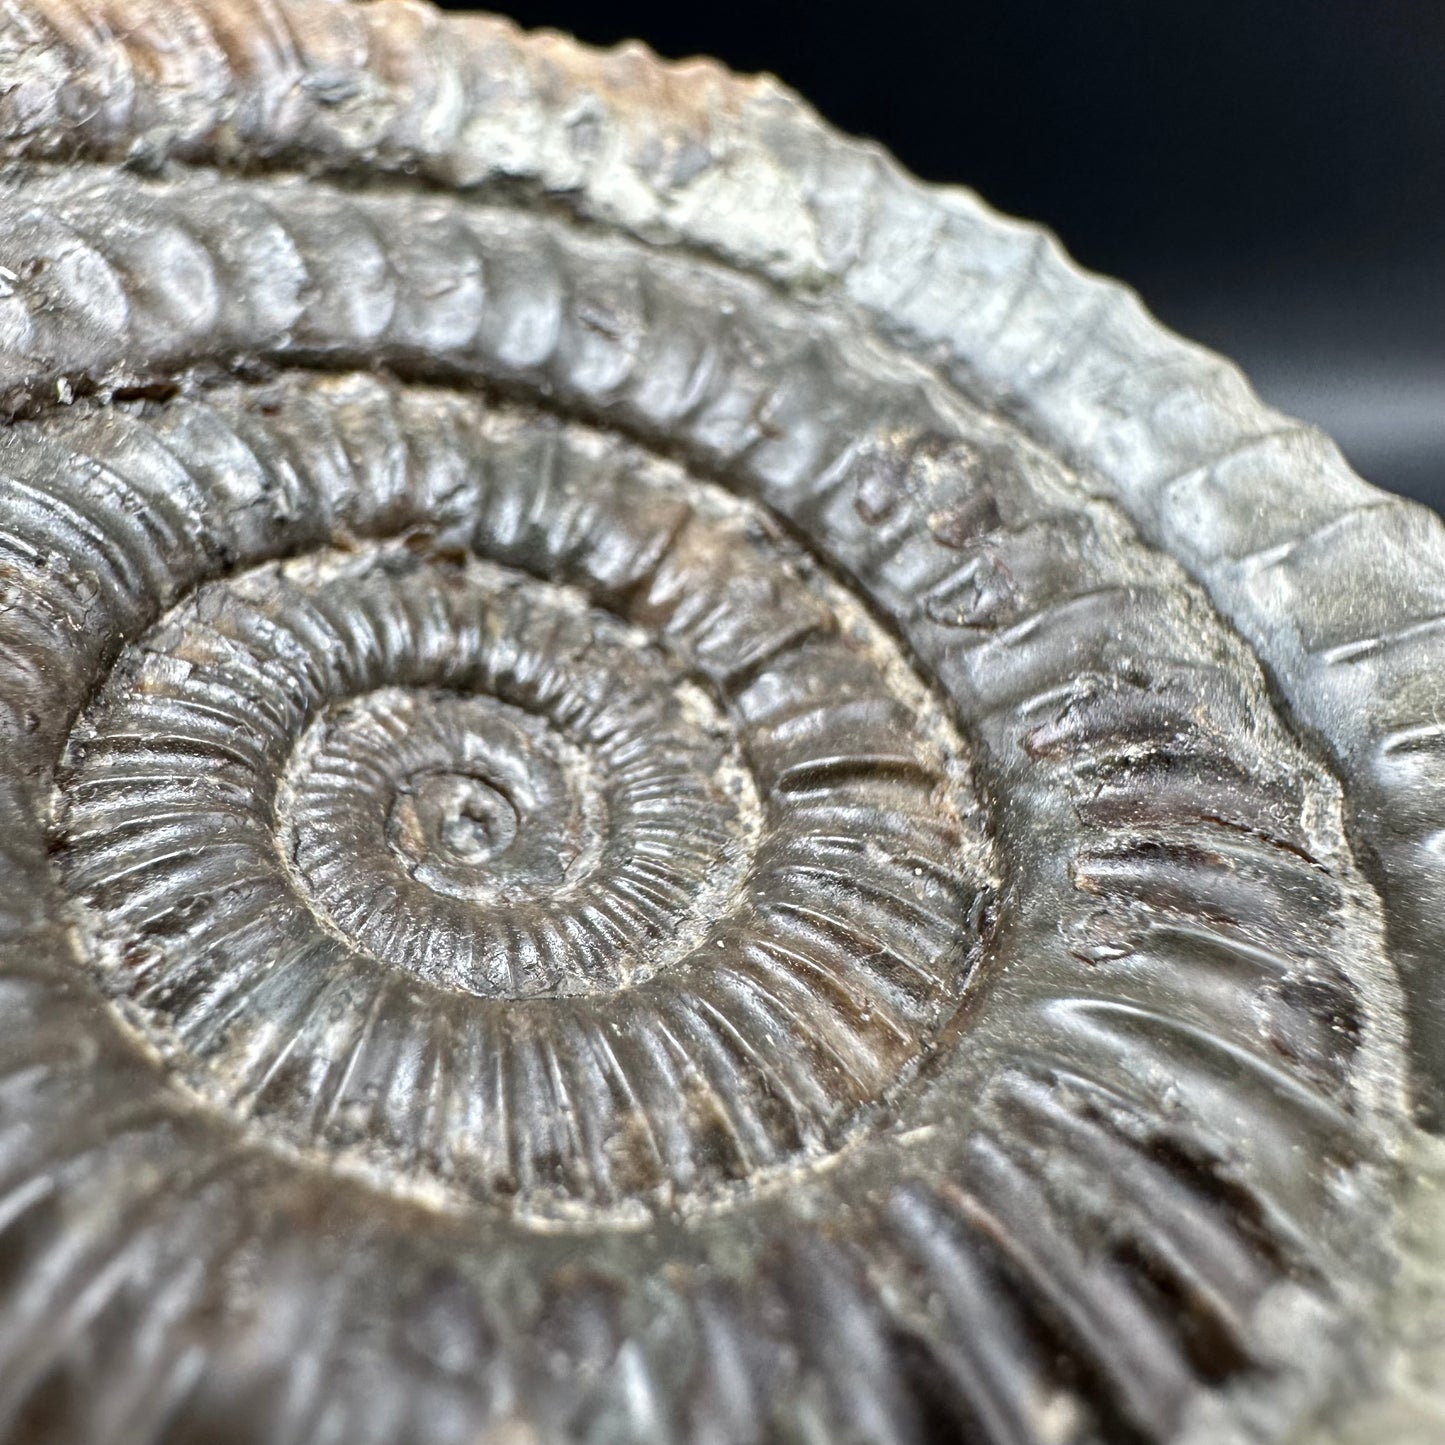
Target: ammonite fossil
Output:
[{"x": 659, "y": 786}]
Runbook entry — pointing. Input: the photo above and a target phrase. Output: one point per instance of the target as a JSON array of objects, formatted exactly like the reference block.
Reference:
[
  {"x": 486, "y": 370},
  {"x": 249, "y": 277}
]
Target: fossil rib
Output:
[{"x": 643, "y": 795}]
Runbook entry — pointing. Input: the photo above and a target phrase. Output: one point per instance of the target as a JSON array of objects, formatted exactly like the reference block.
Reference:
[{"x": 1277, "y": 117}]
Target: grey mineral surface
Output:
[{"x": 656, "y": 785}]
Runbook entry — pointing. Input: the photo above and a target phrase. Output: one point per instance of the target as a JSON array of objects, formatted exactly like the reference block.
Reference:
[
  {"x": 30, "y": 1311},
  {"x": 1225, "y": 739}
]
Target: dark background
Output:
[{"x": 1270, "y": 175}]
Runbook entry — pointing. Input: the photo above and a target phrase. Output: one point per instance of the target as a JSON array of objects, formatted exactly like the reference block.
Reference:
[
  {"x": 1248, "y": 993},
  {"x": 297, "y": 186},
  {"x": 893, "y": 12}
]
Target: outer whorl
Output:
[{"x": 659, "y": 786}]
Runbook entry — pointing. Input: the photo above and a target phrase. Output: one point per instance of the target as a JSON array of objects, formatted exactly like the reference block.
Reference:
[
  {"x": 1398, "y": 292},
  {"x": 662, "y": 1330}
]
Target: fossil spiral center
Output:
[
  {"x": 476, "y": 799},
  {"x": 468, "y": 818},
  {"x": 695, "y": 859}
]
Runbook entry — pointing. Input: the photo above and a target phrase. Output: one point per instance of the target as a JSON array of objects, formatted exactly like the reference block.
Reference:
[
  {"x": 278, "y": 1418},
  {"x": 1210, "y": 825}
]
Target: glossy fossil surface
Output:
[{"x": 658, "y": 785}]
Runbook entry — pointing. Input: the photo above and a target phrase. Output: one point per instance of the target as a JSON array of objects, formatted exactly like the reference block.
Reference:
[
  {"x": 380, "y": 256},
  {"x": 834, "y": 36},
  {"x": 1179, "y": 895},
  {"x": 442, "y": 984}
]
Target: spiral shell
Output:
[{"x": 657, "y": 785}]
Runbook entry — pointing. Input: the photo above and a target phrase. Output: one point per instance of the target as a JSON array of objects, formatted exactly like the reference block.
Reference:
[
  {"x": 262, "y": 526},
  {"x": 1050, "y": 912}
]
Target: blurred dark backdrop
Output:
[{"x": 1270, "y": 174}]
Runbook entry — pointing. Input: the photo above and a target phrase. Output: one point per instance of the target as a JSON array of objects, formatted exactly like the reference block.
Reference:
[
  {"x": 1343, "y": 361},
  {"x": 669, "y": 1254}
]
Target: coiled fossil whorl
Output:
[{"x": 658, "y": 786}]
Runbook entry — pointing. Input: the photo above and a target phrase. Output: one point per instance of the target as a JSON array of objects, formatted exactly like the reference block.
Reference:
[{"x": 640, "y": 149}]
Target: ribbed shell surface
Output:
[{"x": 658, "y": 786}]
